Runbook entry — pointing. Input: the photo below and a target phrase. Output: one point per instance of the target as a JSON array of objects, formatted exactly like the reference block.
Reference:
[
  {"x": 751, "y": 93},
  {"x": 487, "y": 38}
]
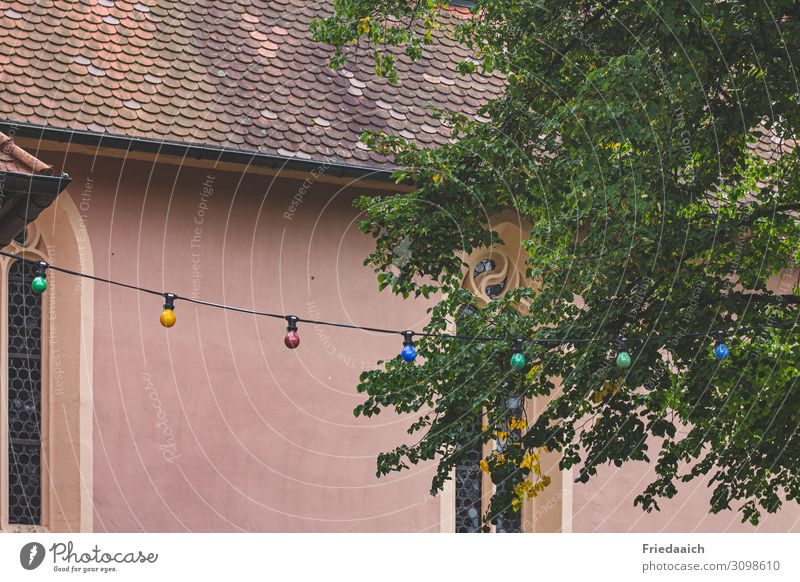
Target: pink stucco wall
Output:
[
  {"x": 605, "y": 504},
  {"x": 214, "y": 425}
]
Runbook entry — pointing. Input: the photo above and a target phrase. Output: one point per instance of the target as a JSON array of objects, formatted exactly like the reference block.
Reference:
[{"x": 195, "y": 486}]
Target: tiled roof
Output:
[
  {"x": 28, "y": 187},
  {"x": 769, "y": 144},
  {"x": 238, "y": 74},
  {"x": 14, "y": 159}
]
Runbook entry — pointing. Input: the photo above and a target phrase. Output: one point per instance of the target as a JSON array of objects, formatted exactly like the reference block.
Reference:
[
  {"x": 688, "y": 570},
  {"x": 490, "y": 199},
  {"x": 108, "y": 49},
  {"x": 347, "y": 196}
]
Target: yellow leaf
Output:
[
  {"x": 521, "y": 488},
  {"x": 517, "y": 424},
  {"x": 532, "y": 373}
]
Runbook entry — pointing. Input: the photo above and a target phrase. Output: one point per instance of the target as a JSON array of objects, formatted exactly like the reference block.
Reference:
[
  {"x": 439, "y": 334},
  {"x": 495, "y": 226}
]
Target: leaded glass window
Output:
[
  {"x": 468, "y": 489},
  {"x": 24, "y": 396},
  {"x": 492, "y": 272},
  {"x": 510, "y": 522}
]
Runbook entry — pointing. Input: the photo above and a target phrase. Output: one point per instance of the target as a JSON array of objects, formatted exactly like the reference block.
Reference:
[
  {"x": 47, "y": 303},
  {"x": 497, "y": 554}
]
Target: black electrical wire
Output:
[
  {"x": 480, "y": 338},
  {"x": 94, "y": 278},
  {"x": 230, "y": 307}
]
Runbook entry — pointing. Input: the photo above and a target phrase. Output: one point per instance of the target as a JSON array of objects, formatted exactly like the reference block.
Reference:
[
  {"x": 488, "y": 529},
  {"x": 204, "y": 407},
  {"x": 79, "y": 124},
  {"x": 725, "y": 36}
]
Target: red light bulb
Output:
[{"x": 292, "y": 340}]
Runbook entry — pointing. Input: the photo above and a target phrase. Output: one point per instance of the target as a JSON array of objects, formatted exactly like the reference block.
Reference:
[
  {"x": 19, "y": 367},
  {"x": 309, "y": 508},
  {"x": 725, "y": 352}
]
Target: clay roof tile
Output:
[{"x": 14, "y": 159}]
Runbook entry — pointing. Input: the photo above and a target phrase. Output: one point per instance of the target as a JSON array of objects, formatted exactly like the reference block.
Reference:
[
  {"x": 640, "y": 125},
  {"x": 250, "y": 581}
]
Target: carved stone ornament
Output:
[{"x": 493, "y": 271}]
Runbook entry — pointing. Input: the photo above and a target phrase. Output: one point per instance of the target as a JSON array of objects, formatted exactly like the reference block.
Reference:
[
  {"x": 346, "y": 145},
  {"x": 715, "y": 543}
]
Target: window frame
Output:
[
  {"x": 552, "y": 511},
  {"x": 31, "y": 250}
]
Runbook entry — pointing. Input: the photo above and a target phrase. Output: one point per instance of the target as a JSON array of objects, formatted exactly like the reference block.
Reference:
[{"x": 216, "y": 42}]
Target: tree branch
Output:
[
  {"x": 766, "y": 210},
  {"x": 785, "y": 299}
]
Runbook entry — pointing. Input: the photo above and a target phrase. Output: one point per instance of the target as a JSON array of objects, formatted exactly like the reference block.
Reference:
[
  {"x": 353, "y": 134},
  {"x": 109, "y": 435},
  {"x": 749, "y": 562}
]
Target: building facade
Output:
[{"x": 213, "y": 154}]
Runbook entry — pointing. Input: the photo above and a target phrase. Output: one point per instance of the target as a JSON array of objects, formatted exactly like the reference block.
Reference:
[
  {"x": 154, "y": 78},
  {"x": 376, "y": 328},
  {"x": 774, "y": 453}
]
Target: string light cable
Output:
[{"x": 408, "y": 352}]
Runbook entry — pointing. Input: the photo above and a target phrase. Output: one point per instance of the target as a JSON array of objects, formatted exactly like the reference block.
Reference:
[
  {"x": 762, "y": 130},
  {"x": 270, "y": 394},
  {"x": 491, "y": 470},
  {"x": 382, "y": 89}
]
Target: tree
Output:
[{"x": 626, "y": 138}]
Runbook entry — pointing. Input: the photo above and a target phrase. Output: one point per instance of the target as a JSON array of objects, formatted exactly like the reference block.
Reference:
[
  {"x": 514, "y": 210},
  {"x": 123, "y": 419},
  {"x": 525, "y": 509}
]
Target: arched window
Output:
[
  {"x": 24, "y": 324},
  {"x": 46, "y": 379},
  {"x": 489, "y": 274},
  {"x": 21, "y": 380}
]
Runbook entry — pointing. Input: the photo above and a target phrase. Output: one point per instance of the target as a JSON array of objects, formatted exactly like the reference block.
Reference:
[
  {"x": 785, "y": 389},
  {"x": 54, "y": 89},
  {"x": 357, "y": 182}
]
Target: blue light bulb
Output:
[
  {"x": 409, "y": 354},
  {"x": 721, "y": 351}
]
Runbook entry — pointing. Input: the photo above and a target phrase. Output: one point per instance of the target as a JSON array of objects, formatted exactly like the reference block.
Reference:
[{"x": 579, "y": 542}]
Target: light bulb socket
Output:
[
  {"x": 291, "y": 322},
  {"x": 408, "y": 338},
  {"x": 169, "y": 301},
  {"x": 720, "y": 337},
  {"x": 41, "y": 269},
  {"x": 622, "y": 344}
]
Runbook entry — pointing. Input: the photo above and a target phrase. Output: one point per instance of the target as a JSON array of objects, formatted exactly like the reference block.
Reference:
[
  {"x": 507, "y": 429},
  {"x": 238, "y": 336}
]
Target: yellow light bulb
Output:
[{"x": 167, "y": 318}]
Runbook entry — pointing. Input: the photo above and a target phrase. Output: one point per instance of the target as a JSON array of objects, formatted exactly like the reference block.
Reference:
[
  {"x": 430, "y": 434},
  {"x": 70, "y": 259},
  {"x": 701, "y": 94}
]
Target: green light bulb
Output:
[
  {"x": 518, "y": 360},
  {"x": 623, "y": 360},
  {"x": 39, "y": 284}
]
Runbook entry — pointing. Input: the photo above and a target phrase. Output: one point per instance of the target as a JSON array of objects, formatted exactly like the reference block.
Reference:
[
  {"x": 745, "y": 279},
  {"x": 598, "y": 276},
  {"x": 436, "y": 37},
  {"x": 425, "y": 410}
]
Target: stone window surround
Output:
[{"x": 66, "y": 404}]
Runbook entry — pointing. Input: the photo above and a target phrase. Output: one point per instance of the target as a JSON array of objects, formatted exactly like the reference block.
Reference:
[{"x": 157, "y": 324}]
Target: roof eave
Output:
[
  {"x": 23, "y": 197},
  {"x": 194, "y": 151}
]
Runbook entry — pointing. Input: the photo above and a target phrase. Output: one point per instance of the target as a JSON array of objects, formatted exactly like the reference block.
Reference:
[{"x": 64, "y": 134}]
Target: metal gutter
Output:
[{"x": 191, "y": 150}]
